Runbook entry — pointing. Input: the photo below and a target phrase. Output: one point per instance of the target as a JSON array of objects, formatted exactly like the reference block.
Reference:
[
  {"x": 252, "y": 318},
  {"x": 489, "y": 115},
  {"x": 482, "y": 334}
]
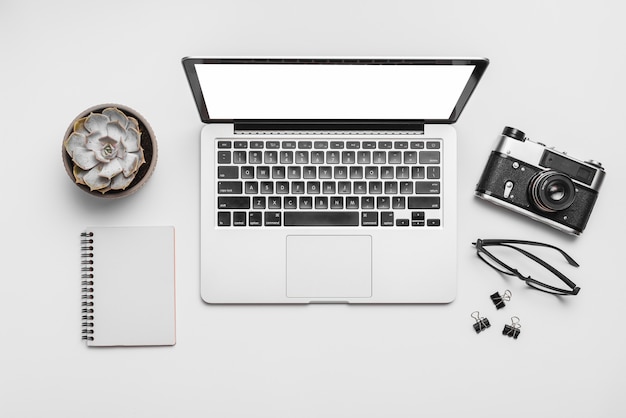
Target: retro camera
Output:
[{"x": 544, "y": 184}]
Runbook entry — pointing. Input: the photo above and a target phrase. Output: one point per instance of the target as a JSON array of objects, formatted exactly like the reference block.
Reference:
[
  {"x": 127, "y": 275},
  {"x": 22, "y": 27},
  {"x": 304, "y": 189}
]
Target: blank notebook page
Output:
[{"x": 133, "y": 286}]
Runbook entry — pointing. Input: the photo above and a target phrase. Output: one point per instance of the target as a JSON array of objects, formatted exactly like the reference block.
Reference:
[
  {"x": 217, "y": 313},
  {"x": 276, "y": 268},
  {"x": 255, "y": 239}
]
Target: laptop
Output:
[{"x": 329, "y": 180}]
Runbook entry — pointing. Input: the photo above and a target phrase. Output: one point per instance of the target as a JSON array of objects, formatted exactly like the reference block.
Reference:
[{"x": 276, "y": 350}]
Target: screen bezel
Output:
[{"x": 480, "y": 65}]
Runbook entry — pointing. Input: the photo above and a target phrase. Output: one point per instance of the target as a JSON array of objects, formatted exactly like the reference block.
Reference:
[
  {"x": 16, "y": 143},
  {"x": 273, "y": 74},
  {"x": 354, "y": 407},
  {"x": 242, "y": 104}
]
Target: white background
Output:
[{"x": 557, "y": 72}]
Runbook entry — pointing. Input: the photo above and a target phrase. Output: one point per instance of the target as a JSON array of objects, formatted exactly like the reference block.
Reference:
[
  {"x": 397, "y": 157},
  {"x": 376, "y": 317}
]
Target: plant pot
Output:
[{"x": 147, "y": 141}]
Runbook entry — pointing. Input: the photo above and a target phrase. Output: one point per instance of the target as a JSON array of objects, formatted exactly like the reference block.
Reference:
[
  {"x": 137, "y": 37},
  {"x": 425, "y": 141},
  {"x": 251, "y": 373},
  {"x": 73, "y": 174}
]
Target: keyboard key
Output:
[
  {"x": 341, "y": 172},
  {"x": 305, "y": 145},
  {"x": 272, "y": 144},
  {"x": 329, "y": 187},
  {"x": 306, "y": 202},
  {"x": 247, "y": 172},
  {"x": 380, "y": 157},
  {"x": 239, "y": 218},
  {"x": 410, "y": 157},
  {"x": 273, "y": 218},
  {"x": 223, "y": 218},
  {"x": 223, "y": 157},
  {"x": 291, "y": 202},
  {"x": 418, "y": 172},
  {"x": 241, "y": 144},
  {"x": 348, "y": 157},
  {"x": 255, "y": 219},
  {"x": 294, "y": 172},
  {"x": 256, "y": 157},
  {"x": 263, "y": 172},
  {"x": 336, "y": 144},
  {"x": 313, "y": 187},
  {"x": 360, "y": 187},
  {"x": 326, "y": 218},
  {"x": 376, "y": 187},
  {"x": 352, "y": 202},
  {"x": 386, "y": 218},
  {"x": 356, "y": 172},
  {"x": 320, "y": 145},
  {"x": 369, "y": 218},
  {"x": 433, "y": 222},
  {"x": 224, "y": 144},
  {"x": 256, "y": 144},
  {"x": 336, "y": 202},
  {"x": 364, "y": 157},
  {"x": 233, "y": 203},
  {"x": 371, "y": 172},
  {"x": 427, "y": 187},
  {"x": 309, "y": 172},
  {"x": 321, "y": 202},
  {"x": 424, "y": 202},
  {"x": 369, "y": 145},
  {"x": 229, "y": 187},
  {"x": 289, "y": 144},
  {"x": 398, "y": 202},
  {"x": 239, "y": 157},
  {"x": 297, "y": 187},
  {"x": 270, "y": 157},
  {"x": 302, "y": 157},
  {"x": 384, "y": 144},
  {"x": 282, "y": 187},
  {"x": 367, "y": 202},
  {"x": 433, "y": 145},
  {"x": 258, "y": 202},
  {"x": 274, "y": 203},
  {"x": 429, "y": 157},
  {"x": 227, "y": 172},
  {"x": 401, "y": 145},
  {"x": 395, "y": 157},
  {"x": 383, "y": 202},
  {"x": 286, "y": 157},
  {"x": 386, "y": 173},
  {"x": 278, "y": 172},
  {"x": 267, "y": 187},
  {"x": 317, "y": 157},
  {"x": 332, "y": 157},
  {"x": 353, "y": 145},
  {"x": 325, "y": 173},
  {"x": 406, "y": 187},
  {"x": 391, "y": 187},
  {"x": 252, "y": 187},
  {"x": 402, "y": 222},
  {"x": 344, "y": 187},
  {"x": 433, "y": 172},
  {"x": 402, "y": 172},
  {"x": 417, "y": 145}
]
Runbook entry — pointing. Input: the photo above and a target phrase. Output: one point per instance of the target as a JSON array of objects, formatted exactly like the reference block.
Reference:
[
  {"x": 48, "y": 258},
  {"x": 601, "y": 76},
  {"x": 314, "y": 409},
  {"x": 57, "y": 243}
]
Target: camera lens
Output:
[{"x": 551, "y": 191}]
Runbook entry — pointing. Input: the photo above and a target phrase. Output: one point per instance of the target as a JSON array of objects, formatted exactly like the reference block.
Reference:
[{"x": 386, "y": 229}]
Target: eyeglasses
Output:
[{"x": 505, "y": 254}]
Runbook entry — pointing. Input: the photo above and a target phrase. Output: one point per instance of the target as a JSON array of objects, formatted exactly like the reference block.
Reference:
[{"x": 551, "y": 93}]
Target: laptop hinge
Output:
[{"x": 402, "y": 126}]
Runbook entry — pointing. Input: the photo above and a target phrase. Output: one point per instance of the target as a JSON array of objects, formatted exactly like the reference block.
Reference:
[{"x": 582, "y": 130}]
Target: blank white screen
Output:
[{"x": 337, "y": 91}]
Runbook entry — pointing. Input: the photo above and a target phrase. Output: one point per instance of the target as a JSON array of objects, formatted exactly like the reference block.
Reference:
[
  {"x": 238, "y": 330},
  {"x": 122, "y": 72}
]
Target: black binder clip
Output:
[
  {"x": 512, "y": 330},
  {"x": 481, "y": 323},
  {"x": 499, "y": 300}
]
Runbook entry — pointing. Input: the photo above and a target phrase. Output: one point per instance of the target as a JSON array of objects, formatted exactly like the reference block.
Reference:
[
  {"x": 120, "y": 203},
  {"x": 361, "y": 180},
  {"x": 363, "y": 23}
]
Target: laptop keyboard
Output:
[{"x": 355, "y": 183}]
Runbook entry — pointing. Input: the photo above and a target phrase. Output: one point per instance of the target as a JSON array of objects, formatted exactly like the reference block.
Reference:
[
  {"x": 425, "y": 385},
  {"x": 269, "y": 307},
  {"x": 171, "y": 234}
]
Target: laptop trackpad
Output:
[{"x": 329, "y": 266}]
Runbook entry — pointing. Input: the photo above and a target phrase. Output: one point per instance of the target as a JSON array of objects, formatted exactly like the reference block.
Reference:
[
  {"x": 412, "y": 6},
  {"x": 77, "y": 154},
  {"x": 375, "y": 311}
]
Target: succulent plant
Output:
[{"x": 106, "y": 150}]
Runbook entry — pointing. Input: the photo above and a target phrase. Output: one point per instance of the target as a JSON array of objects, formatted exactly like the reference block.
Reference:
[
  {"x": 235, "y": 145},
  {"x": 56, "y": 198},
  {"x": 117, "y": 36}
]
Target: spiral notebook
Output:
[{"x": 128, "y": 286}]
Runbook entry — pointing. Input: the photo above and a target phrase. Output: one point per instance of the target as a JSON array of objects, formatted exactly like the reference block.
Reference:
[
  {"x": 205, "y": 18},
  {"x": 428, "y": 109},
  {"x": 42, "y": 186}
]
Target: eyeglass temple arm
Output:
[
  {"x": 544, "y": 264},
  {"x": 488, "y": 242}
]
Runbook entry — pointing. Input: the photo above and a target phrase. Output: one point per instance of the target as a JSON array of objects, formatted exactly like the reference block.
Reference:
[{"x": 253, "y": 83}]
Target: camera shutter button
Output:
[{"x": 508, "y": 188}]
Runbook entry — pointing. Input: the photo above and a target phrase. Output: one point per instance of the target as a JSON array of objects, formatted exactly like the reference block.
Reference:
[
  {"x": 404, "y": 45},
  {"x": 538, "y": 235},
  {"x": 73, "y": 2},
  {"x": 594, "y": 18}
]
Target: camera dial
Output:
[
  {"x": 552, "y": 191},
  {"x": 514, "y": 133}
]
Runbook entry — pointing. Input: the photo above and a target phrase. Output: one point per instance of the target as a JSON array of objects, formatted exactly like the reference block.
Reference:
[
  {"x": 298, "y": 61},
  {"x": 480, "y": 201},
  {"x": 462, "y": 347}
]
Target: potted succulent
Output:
[{"x": 109, "y": 151}]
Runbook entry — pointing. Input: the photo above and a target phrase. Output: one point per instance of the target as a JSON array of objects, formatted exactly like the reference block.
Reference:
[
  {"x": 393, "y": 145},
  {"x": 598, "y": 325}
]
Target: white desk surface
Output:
[{"x": 557, "y": 72}]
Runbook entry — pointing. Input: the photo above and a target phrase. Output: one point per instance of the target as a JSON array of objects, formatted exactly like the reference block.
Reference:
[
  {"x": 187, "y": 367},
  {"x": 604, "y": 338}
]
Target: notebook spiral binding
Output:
[{"x": 86, "y": 269}]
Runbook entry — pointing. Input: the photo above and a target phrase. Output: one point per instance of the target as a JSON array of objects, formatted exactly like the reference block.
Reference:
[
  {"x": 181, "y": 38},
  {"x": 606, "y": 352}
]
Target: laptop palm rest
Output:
[{"x": 327, "y": 266}]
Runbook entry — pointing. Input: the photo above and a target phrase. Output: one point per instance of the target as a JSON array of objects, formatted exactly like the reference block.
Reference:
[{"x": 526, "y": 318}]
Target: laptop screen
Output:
[{"x": 333, "y": 89}]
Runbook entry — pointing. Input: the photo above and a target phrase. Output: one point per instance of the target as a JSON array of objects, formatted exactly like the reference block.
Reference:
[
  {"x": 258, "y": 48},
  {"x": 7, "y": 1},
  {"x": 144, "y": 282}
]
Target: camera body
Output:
[{"x": 544, "y": 184}]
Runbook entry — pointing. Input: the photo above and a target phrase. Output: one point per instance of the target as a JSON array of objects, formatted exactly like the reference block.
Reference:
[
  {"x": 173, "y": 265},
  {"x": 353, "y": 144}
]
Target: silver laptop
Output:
[{"x": 329, "y": 180}]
